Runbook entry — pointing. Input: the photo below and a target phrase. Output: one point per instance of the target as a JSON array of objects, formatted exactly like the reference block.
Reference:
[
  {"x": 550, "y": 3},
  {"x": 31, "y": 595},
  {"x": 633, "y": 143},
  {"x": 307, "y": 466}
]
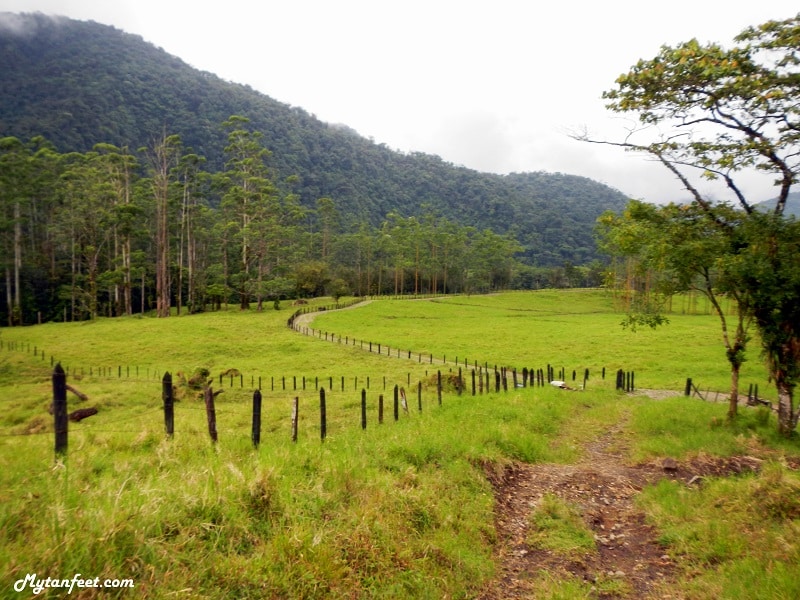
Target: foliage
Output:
[
  {"x": 401, "y": 510},
  {"x": 729, "y": 111},
  {"x": 81, "y": 83}
]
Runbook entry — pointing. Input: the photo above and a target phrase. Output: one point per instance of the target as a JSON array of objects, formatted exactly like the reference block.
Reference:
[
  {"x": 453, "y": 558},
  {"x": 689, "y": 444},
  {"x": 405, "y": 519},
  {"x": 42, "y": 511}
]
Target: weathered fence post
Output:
[
  {"x": 323, "y": 418},
  {"x": 295, "y": 411},
  {"x": 256, "y": 418},
  {"x": 439, "y": 387},
  {"x": 60, "y": 410},
  {"x": 688, "y": 389},
  {"x": 380, "y": 409},
  {"x": 396, "y": 403},
  {"x": 211, "y": 414},
  {"x": 419, "y": 395},
  {"x": 169, "y": 404},
  {"x": 363, "y": 409},
  {"x": 473, "y": 382}
]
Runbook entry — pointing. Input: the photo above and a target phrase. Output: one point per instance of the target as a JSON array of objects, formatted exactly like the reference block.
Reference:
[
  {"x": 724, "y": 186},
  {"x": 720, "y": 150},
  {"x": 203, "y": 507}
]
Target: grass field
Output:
[
  {"x": 399, "y": 510},
  {"x": 574, "y": 330}
]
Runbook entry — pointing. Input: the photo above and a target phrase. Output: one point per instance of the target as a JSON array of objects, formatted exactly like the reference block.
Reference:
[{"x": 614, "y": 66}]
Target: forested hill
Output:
[{"x": 81, "y": 83}]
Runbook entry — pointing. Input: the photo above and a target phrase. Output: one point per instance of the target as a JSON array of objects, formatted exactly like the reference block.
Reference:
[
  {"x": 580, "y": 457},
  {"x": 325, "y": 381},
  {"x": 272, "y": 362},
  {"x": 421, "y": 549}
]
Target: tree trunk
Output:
[
  {"x": 787, "y": 419},
  {"x": 9, "y": 299},
  {"x": 17, "y": 308},
  {"x": 733, "y": 403}
]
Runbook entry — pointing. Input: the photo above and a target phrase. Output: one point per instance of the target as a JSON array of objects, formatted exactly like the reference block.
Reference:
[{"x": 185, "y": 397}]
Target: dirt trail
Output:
[
  {"x": 305, "y": 319},
  {"x": 603, "y": 488}
]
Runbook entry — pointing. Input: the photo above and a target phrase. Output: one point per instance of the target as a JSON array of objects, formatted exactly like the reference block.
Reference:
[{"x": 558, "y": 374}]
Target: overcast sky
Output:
[{"x": 492, "y": 85}]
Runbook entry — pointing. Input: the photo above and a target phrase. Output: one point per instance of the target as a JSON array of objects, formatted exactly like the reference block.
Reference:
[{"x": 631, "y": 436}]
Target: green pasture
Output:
[
  {"x": 402, "y": 509},
  {"x": 573, "y": 330}
]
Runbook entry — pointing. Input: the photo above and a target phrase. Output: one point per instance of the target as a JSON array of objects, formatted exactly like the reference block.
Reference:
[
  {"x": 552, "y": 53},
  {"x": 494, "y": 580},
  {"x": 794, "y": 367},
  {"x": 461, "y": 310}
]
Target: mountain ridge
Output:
[{"x": 78, "y": 83}]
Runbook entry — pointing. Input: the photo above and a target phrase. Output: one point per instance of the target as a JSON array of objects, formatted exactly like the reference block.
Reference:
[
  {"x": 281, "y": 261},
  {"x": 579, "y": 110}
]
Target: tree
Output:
[
  {"x": 672, "y": 249},
  {"x": 248, "y": 199},
  {"x": 163, "y": 157},
  {"x": 728, "y": 112},
  {"x": 14, "y": 186},
  {"x": 117, "y": 166}
]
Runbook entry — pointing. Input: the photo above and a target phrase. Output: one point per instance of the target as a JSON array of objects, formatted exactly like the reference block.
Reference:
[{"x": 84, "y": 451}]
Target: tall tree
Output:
[
  {"x": 731, "y": 111},
  {"x": 14, "y": 189},
  {"x": 118, "y": 167},
  {"x": 248, "y": 194},
  {"x": 163, "y": 156}
]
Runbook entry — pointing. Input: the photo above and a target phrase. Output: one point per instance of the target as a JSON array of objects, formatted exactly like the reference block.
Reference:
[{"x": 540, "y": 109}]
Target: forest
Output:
[
  {"x": 132, "y": 182},
  {"x": 110, "y": 232}
]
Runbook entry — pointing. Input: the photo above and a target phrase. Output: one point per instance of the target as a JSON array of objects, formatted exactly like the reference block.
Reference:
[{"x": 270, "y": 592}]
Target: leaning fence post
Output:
[
  {"x": 60, "y": 410},
  {"x": 256, "y": 418},
  {"x": 169, "y": 404},
  {"x": 211, "y": 413}
]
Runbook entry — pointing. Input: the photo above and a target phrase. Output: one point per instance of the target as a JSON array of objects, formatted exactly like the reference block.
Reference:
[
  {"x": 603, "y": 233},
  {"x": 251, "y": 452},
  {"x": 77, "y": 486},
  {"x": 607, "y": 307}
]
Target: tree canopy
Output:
[
  {"x": 724, "y": 112},
  {"x": 80, "y": 83}
]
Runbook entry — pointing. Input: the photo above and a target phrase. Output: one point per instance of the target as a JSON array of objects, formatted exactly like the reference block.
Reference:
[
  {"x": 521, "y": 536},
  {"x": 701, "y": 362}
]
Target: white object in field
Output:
[{"x": 558, "y": 384}]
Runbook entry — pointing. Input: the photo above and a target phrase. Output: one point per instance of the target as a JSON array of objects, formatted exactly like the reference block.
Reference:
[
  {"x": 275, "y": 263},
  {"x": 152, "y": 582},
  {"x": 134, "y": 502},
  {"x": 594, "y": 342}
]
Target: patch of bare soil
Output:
[{"x": 604, "y": 489}]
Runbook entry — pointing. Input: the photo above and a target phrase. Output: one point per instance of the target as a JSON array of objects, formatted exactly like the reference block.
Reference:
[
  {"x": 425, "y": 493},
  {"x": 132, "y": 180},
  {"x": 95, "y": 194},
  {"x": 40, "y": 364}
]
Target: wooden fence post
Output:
[
  {"x": 169, "y": 404},
  {"x": 419, "y": 395},
  {"x": 256, "y": 418},
  {"x": 323, "y": 418},
  {"x": 363, "y": 409},
  {"x": 473, "y": 382},
  {"x": 211, "y": 413},
  {"x": 688, "y": 389},
  {"x": 60, "y": 410},
  {"x": 380, "y": 409},
  {"x": 396, "y": 403},
  {"x": 439, "y": 387},
  {"x": 295, "y": 411}
]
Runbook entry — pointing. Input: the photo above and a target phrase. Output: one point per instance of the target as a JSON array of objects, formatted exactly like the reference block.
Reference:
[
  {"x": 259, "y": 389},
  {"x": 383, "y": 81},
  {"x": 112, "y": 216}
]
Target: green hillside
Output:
[{"x": 82, "y": 83}]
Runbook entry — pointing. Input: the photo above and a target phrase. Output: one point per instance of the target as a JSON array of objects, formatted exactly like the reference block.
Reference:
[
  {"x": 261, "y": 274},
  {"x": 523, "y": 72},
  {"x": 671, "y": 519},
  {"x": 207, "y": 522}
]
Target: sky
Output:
[{"x": 498, "y": 86}]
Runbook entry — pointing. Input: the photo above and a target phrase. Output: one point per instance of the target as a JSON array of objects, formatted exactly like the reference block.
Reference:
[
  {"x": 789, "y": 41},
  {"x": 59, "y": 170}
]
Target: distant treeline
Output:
[{"x": 115, "y": 232}]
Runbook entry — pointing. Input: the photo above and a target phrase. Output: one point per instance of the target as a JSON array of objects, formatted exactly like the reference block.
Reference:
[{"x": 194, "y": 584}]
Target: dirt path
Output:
[
  {"x": 629, "y": 560},
  {"x": 305, "y": 320}
]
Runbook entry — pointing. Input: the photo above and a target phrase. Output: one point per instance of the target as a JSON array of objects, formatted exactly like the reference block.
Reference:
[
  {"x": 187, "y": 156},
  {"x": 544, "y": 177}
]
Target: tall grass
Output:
[{"x": 400, "y": 510}]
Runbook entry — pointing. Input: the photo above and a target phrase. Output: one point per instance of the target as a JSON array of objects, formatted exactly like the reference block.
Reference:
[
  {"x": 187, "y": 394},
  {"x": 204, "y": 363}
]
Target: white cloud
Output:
[{"x": 491, "y": 85}]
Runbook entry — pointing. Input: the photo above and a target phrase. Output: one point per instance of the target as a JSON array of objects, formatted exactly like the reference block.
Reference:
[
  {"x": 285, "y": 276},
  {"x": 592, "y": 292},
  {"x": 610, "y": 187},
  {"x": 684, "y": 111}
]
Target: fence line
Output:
[{"x": 529, "y": 378}]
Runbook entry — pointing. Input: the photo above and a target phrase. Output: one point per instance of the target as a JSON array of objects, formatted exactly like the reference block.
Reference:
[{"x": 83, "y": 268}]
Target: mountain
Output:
[
  {"x": 792, "y": 205},
  {"x": 80, "y": 83}
]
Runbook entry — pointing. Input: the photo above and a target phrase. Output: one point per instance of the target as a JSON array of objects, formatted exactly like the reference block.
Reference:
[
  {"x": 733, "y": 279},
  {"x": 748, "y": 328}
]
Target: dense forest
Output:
[{"x": 130, "y": 180}]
